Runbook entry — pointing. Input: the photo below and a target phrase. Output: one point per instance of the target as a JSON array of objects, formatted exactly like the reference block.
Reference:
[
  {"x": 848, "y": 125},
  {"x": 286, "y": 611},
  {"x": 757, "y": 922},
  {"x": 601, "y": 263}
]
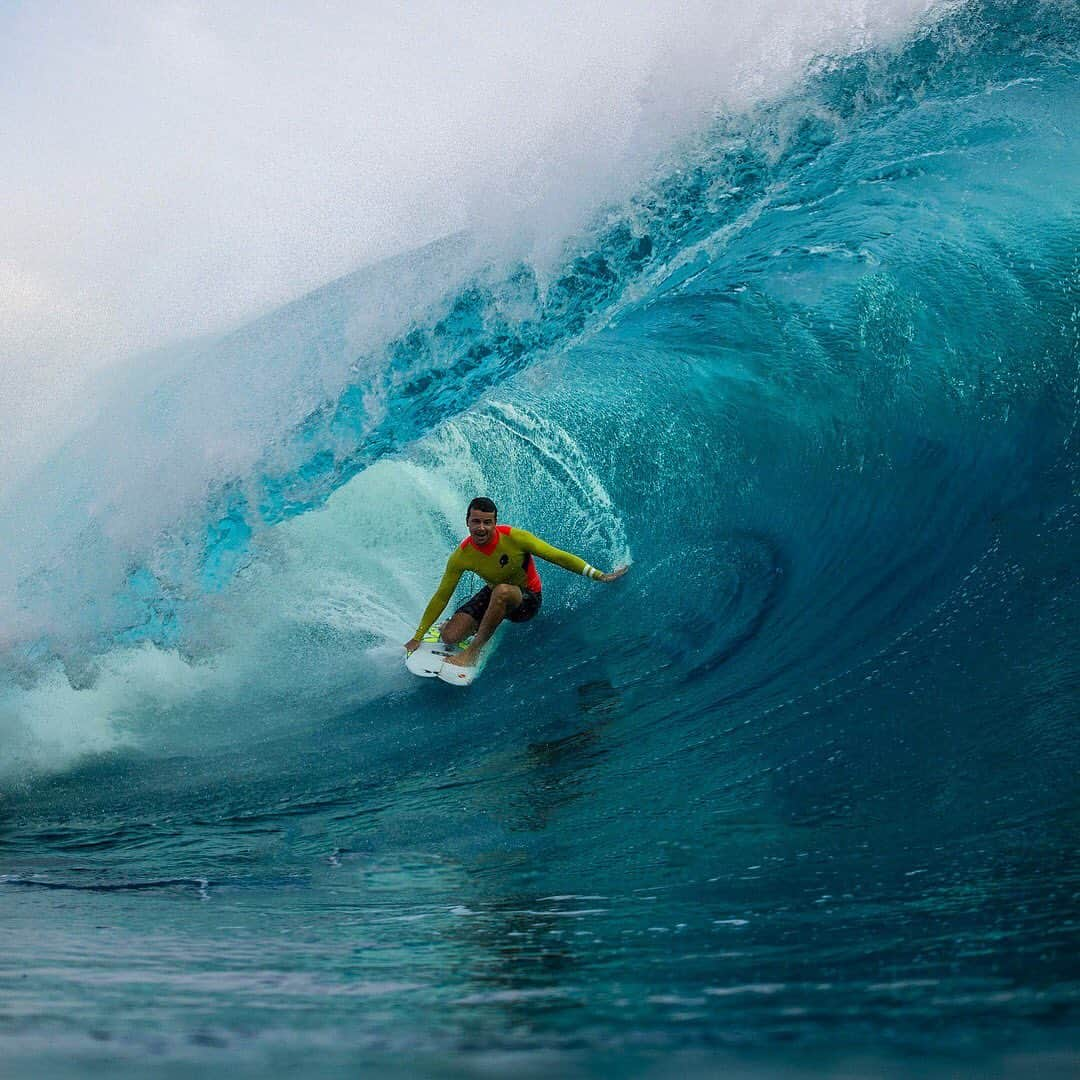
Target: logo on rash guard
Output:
[{"x": 504, "y": 560}]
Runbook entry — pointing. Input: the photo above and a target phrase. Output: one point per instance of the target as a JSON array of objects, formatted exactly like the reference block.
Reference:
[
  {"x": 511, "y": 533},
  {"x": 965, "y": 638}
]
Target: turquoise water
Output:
[{"x": 800, "y": 792}]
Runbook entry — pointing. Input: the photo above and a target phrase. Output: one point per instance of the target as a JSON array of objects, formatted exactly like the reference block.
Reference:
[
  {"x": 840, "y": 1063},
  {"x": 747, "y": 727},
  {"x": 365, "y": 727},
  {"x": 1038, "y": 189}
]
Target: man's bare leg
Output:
[
  {"x": 458, "y": 628},
  {"x": 504, "y": 598}
]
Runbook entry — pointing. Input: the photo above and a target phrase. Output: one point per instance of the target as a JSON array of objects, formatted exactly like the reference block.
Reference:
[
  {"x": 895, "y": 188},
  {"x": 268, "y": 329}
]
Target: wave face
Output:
[{"x": 806, "y": 778}]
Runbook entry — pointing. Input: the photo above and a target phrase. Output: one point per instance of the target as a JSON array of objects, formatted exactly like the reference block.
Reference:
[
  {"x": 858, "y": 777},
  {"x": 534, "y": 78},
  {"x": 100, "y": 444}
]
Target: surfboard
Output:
[{"x": 429, "y": 661}]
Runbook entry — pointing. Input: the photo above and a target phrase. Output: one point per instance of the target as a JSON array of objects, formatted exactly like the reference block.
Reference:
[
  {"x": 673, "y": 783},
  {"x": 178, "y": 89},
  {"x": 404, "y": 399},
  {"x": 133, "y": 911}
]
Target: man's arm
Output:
[
  {"x": 542, "y": 550},
  {"x": 451, "y": 576}
]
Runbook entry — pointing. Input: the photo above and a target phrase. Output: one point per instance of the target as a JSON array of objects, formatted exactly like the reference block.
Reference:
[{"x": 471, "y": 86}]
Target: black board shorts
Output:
[{"x": 478, "y": 604}]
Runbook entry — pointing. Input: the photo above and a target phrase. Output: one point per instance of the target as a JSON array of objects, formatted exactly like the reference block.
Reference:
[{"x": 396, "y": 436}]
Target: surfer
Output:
[{"x": 504, "y": 557}]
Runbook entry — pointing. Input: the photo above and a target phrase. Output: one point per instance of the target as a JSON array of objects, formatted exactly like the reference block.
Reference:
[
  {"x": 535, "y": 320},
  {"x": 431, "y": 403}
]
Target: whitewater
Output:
[{"x": 799, "y": 793}]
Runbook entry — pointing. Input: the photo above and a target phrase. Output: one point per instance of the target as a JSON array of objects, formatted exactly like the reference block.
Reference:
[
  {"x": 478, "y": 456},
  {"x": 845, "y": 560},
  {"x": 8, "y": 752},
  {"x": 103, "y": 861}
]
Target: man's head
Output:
[{"x": 480, "y": 518}]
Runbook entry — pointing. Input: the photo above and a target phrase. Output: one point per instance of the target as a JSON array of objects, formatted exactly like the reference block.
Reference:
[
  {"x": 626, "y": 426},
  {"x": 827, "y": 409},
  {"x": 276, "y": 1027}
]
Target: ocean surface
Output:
[{"x": 797, "y": 794}]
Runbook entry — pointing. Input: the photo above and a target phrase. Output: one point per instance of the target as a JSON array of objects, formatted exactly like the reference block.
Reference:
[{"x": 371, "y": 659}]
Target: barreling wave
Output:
[
  {"x": 802, "y": 377},
  {"x": 802, "y": 784}
]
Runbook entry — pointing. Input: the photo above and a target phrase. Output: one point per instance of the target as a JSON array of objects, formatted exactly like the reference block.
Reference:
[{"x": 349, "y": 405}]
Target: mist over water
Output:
[
  {"x": 780, "y": 306},
  {"x": 183, "y": 167}
]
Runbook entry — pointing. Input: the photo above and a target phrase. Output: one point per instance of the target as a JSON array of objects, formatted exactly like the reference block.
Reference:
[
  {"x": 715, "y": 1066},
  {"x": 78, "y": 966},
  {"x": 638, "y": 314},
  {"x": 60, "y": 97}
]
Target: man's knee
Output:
[{"x": 506, "y": 595}]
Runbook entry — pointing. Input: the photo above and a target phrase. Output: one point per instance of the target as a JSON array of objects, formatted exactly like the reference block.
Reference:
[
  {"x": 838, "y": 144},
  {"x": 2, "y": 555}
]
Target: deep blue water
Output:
[{"x": 799, "y": 792}]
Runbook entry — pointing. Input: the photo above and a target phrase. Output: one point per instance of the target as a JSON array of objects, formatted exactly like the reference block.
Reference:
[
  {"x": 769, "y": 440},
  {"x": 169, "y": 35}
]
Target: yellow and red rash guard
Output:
[{"x": 506, "y": 560}]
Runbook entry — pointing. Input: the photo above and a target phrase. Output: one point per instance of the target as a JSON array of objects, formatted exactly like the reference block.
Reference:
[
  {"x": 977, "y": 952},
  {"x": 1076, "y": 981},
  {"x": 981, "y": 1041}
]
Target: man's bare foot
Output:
[{"x": 465, "y": 658}]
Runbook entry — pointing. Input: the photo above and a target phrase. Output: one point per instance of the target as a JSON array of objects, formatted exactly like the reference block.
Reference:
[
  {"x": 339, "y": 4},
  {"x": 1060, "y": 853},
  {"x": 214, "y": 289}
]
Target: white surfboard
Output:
[{"x": 429, "y": 661}]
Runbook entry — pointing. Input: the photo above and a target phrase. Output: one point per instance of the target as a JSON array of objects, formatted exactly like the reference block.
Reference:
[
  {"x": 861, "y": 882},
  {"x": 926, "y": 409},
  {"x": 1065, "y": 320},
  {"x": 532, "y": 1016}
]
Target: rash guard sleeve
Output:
[
  {"x": 451, "y": 576},
  {"x": 535, "y": 546}
]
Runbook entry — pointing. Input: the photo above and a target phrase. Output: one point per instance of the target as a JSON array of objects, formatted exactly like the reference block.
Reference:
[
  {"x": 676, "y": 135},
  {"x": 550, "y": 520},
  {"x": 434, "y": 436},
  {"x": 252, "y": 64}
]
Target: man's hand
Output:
[
  {"x": 412, "y": 645},
  {"x": 616, "y": 573}
]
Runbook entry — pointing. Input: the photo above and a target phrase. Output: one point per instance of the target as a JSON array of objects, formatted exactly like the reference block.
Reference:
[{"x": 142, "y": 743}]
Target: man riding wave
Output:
[{"x": 505, "y": 558}]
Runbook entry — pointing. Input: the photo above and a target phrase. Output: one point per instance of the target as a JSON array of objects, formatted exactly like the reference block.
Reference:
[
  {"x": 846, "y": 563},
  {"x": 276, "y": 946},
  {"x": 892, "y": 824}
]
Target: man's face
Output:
[{"x": 481, "y": 527}]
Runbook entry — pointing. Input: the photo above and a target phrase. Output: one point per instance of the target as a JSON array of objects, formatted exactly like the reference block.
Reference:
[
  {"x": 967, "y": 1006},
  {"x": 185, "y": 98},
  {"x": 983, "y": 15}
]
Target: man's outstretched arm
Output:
[
  {"x": 576, "y": 565},
  {"x": 451, "y": 576}
]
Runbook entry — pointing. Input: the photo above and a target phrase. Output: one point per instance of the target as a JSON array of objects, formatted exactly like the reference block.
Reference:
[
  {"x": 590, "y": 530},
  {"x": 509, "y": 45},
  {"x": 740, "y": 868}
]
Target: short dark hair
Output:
[{"x": 485, "y": 506}]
